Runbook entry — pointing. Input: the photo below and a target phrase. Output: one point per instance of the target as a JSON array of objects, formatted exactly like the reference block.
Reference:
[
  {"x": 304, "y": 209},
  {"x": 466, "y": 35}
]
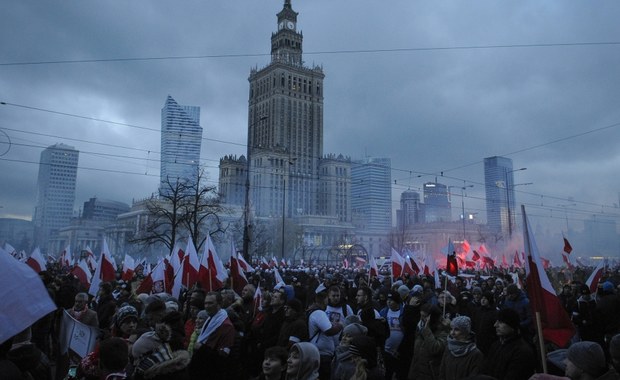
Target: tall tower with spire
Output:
[{"x": 285, "y": 126}]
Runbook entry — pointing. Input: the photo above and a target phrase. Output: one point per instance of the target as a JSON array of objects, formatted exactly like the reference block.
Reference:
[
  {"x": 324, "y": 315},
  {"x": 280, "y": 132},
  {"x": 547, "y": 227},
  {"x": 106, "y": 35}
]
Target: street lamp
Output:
[
  {"x": 246, "y": 208},
  {"x": 463, "y": 188},
  {"x": 506, "y": 172}
]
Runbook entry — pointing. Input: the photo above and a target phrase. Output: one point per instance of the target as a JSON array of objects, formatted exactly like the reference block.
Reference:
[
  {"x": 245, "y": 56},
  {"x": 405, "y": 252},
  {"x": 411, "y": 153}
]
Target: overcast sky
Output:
[{"x": 438, "y": 87}]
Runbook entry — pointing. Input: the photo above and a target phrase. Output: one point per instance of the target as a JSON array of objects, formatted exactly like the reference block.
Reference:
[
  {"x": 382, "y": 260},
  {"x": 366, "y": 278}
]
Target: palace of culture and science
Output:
[{"x": 289, "y": 175}]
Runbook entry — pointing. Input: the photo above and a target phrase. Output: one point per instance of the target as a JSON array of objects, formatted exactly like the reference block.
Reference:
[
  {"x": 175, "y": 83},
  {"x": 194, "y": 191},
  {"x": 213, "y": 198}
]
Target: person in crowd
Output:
[
  {"x": 255, "y": 335},
  {"x": 410, "y": 319},
  {"x": 462, "y": 358},
  {"x": 31, "y": 361},
  {"x": 343, "y": 366},
  {"x": 430, "y": 343},
  {"x": 195, "y": 306},
  {"x": 320, "y": 331},
  {"x": 294, "y": 328},
  {"x": 584, "y": 361},
  {"x": 364, "y": 353},
  {"x": 614, "y": 352},
  {"x": 153, "y": 314},
  {"x": 274, "y": 364},
  {"x": 586, "y": 318},
  {"x": 273, "y": 321},
  {"x": 106, "y": 306},
  {"x": 113, "y": 359},
  {"x": 475, "y": 304},
  {"x": 246, "y": 303},
  {"x": 393, "y": 314},
  {"x": 8, "y": 369},
  {"x": 155, "y": 359},
  {"x": 376, "y": 325},
  {"x": 568, "y": 298},
  {"x": 303, "y": 362},
  {"x": 337, "y": 310},
  {"x": 608, "y": 307},
  {"x": 201, "y": 318},
  {"x": 214, "y": 344},
  {"x": 510, "y": 357},
  {"x": 81, "y": 312},
  {"x": 483, "y": 322},
  {"x": 447, "y": 303},
  {"x": 517, "y": 300},
  {"x": 125, "y": 322}
]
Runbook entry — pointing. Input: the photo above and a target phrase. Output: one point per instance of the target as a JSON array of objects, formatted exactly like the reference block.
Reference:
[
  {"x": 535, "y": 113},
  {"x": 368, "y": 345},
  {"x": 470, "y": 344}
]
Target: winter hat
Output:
[
  {"x": 489, "y": 296},
  {"x": 403, "y": 290},
  {"x": 355, "y": 329},
  {"x": 608, "y": 286},
  {"x": 589, "y": 357},
  {"x": 512, "y": 289},
  {"x": 509, "y": 317},
  {"x": 171, "y": 305},
  {"x": 352, "y": 319},
  {"x": 202, "y": 314},
  {"x": 461, "y": 323},
  {"x": 295, "y": 305},
  {"x": 476, "y": 290},
  {"x": 418, "y": 289},
  {"x": 365, "y": 347},
  {"x": 124, "y": 313}
]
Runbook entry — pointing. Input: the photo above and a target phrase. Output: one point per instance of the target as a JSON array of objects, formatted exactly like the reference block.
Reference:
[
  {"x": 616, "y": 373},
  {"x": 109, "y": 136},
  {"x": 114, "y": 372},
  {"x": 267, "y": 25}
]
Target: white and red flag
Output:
[
  {"x": 258, "y": 300},
  {"x": 190, "y": 265},
  {"x": 154, "y": 282},
  {"x": 273, "y": 263},
  {"x": 595, "y": 276},
  {"x": 374, "y": 270},
  {"x": 244, "y": 264},
  {"x": 398, "y": 264},
  {"x": 212, "y": 273},
  {"x": 237, "y": 276},
  {"x": 278, "y": 279},
  {"x": 36, "y": 261},
  {"x": 556, "y": 324},
  {"x": 104, "y": 271},
  {"x": 91, "y": 260},
  {"x": 129, "y": 266},
  {"x": 516, "y": 261},
  {"x": 65, "y": 259},
  {"x": 83, "y": 273},
  {"x": 567, "y": 247}
]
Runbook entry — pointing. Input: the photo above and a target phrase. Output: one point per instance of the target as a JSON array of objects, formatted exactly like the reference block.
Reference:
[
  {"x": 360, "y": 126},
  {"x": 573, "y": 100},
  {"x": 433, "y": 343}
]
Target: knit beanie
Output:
[
  {"x": 462, "y": 323},
  {"x": 355, "y": 329},
  {"x": 403, "y": 290},
  {"x": 366, "y": 348},
  {"x": 509, "y": 317},
  {"x": 202, "y": 314},
  {"x": 124, "y": 313},
  {"x": 589, "y": 357},
  {"x": 351, "y": 319}
]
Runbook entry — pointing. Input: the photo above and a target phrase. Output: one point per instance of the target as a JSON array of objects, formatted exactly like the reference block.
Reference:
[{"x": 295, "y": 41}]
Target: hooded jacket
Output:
[{"x": 309, "y": 359}]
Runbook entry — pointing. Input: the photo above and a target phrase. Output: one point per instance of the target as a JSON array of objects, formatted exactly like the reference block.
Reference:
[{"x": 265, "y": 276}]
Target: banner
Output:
[{"x": 75, "y": 335}]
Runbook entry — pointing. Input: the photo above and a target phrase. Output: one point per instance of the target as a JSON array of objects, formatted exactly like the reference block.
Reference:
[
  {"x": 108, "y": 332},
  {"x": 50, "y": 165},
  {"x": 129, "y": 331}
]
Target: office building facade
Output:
[
  {"x": 371, "y": 193},
  {"x": 411, "y": 209},
  {"x": 500, "y": 196},
  {"x": 55, "y": 197},
  {"x": 437, "y": 207},
  {"x": 181, "y": 140}
]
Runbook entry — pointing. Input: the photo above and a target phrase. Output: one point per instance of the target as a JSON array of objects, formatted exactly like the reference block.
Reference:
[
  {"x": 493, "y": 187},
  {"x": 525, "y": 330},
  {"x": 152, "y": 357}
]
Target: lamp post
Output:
[
  {"x": 506, "y": 172},
  {"x": 246, "y": 209},
  {"x": 463, "y": 188}
]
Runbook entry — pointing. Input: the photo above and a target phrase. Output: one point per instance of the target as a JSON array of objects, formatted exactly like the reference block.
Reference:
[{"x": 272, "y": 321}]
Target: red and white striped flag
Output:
[
  {"x": 129, "y": 266},
  {"x": 595, "y": 276},
  {"x": 36, "y": 261}
]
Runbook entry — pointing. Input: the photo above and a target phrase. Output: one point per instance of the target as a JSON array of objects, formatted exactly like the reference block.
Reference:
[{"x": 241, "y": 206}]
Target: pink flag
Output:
[
  {"x": 398, "y": 264},
  {"x": 129, "y": 266},
  {"x": 595, "y": 277},
  {"x": 556, "y": 324},
  {"x": 36, "y": 261}
]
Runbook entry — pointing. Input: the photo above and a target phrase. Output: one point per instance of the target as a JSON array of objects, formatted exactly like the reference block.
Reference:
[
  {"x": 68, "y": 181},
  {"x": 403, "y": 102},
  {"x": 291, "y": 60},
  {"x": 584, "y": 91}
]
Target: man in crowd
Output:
[{"x": 321, "y": 330}]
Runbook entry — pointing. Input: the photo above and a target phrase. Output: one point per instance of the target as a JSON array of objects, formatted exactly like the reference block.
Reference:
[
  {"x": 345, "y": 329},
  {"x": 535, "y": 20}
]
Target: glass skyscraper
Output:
[
  {"x": 55, "y": 191},
  {"x": 371, "y": 193},
  {"x": 500, "y": 196},
  {"x": 181, "y": 139}
]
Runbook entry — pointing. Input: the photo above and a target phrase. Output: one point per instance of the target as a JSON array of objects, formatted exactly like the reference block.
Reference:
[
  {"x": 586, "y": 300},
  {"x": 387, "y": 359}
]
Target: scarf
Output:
[
  {"x": 458, "y": 348},
  {"x": 211, "y": 325},
  {"x": 78, "y": 314}
]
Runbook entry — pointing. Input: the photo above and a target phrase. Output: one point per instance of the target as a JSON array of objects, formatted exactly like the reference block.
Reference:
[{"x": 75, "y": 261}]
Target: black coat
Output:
[{"x": 510, "y": 359}]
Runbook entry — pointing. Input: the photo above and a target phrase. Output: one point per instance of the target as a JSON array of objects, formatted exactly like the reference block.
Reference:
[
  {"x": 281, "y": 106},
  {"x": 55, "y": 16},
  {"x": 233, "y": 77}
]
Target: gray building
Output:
[
  {"x": 411, "y": 209},
  {"x": 233, "y": 177},
  {"x": 103, "y": 210},
  {"x": 335, "y": 187},
  {"x": 371, "y": 194},
  {"x": 55, "y": 192}
]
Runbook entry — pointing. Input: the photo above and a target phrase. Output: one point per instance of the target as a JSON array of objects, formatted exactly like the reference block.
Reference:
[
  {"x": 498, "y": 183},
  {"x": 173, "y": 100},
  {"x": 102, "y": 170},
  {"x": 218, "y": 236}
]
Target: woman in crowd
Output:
[
  {"x": 303, "y": 362},
  {"x": 430, "y": 343},
  {"x": 462, "y": 358}
]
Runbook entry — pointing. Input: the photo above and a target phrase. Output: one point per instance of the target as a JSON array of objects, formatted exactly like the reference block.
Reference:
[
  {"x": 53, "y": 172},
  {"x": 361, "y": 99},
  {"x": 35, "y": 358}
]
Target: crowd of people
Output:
[{"x": 321, "y": 323}]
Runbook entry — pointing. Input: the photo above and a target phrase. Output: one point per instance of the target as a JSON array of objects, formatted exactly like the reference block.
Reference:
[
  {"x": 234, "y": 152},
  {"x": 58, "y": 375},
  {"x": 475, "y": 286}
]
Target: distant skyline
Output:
[{"x": 434, "y": 87}]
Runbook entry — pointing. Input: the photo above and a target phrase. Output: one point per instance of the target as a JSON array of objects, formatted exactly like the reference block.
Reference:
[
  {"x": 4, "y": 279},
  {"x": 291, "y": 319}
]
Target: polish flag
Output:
[
  {"x": 129, "y": 266},
  {"x": 452, "y": 267},
  {"x": 476, "y": 256},
  {"x": 278, "y": 279},
  {"x": 237, "y": 276},
  {"x": 282, "y": 262},
  {"x": 556, "y": 324},
  {"x": 504, "y": 262},
  {"x": 258, "y": 298},
  {"x": 65, "y": 259},
  {"x": 244, "y": 264},
  {"x": 90, "y": 259},
  {"x": 488, "y": 262},
  {"x": 263, "y": 263},
  {"x": 516, "y": 261},
  {"x": 567, "y": 247},
  {"x": 398, "y": 264},
  {"x": 104, "y": 271},
  {"x": 566, "y": 260},
  {"x": 465, "y": 246},
  {"x": 83, "y": 273},
  {"x": 374, "y": 270},
  {"x": 273, "y": 263},
  {"x": 190, "y": 265},
  {"x": 36, "y": 261},
  {"x": 176, "y": 257},
  {"x": 595, "y": 277},
  {"x": 212, "y": 273},
  {"x": 408, "y": 267},
  {"x": 154, "y": 282}
]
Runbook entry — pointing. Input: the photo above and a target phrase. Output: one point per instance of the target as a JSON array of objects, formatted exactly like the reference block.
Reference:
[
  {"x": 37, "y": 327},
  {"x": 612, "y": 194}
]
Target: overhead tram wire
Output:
[
  {"x": 353, "y": 163},
  {"x": 319, "y": 52}
]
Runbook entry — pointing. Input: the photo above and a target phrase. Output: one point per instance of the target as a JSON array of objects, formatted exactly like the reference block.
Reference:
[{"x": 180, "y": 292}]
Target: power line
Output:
[{"x": 323, "y": 52}]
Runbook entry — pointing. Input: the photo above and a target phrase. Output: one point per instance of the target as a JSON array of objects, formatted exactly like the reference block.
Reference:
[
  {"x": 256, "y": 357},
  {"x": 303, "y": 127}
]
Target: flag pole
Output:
[
  {"x": 541, "y": 343},
  {"x": 445, "y": 289}
]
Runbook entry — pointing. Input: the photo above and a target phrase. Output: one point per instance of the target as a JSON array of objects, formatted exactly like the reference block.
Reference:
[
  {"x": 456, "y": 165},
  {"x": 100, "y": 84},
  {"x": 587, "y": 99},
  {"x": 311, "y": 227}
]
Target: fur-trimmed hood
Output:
[{"x": 180, "y": 360}]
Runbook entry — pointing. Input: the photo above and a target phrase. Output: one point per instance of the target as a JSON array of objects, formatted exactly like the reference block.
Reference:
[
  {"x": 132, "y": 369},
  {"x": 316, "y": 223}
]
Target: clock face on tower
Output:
[{"x": 290, "y": 25}]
